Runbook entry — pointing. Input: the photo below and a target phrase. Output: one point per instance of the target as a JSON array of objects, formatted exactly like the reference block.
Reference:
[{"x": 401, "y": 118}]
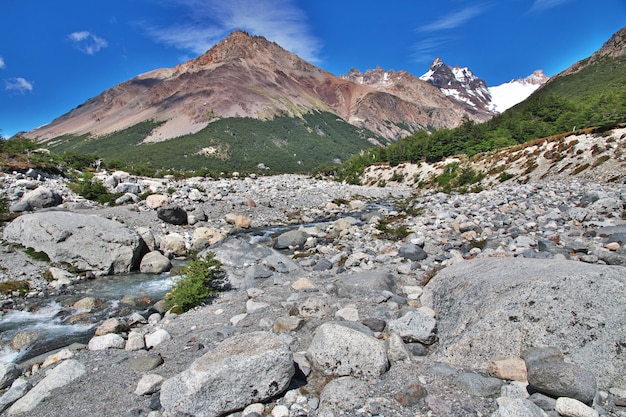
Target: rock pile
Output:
[{"x": 505, "y": 302}]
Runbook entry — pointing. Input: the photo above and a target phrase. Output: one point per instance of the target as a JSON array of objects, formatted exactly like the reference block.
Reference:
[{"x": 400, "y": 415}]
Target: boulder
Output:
[
  {"x": 18, "y": 389},
  {"x": 8, "y": 373},
  {"x": 549, "y": 374},
  {"x": 343, "y": 395},
  {"x": 173, "y": 244},
  {"x": 60, "y": 376},
  {"x": 91, "y": 243},
  {"x": 39, "y": 198},
  {"x": 291, "y": 238},
  {"x": 412, "y": 252},
  {"x": 155, "y": 201},
  {"x": 240, "y": 371},
  {"x": 108, "y": 341},
  {"x": 149, "y": 384},
  {"x": 154, "y": 263},
  {"x": 415, "y": 326},
  {"x": 112, "y": 325},
  {"x": 205, "y": 236},
  {"x": 172, "y": 214},
  {"x": 490, "y": 307},
  {"x": 344, "y": 351},
  {"x": 570, "y": 407},
  {"x": 156, "y": 338}
]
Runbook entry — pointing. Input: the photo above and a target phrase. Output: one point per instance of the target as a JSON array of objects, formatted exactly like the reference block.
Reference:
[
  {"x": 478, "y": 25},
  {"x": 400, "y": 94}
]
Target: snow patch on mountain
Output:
[{"x": 507, "y": 95}]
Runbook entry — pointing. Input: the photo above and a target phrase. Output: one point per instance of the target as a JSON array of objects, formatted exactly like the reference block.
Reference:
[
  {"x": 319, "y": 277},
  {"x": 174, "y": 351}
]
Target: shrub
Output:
[
  {"x": 92, "y": 189},
  {"x": 198, "y": 283},
  {"x": 8, "y": 287}
]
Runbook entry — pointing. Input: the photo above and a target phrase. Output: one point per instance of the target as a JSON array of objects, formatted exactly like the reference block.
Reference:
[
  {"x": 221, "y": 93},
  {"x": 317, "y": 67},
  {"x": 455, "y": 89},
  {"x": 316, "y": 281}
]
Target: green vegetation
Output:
[
  {"x": 38, "y": 256},
  {"x": 390, "y": 232},
  {"x": 196, "y": 285},
  {"x": 593, "y": 97},
  {"x": 283, "y": 144},
  {"x": 92, "y": 188},
  {"x": 8, "y": 287}
]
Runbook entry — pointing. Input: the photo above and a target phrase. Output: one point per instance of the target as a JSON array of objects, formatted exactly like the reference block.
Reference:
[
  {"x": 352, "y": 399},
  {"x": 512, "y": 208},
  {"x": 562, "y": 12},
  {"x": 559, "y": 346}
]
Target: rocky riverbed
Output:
[{"x": 361, "y": 301}]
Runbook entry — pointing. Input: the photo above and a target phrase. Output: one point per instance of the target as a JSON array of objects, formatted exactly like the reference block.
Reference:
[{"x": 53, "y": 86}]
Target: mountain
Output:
[
  {"x": 507, "y": 95},
  {"x": 247, "y": 76},
  {"x": 461, "y": 86}
]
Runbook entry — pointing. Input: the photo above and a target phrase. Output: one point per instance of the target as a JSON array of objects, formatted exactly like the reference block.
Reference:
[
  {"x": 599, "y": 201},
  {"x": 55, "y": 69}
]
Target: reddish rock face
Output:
[{"x": 249, "y": 76}]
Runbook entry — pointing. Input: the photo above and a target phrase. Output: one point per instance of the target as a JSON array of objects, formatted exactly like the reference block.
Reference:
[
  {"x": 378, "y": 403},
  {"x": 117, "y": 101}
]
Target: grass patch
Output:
[
  {"x": 38, "y": 256},
  {"x": 8, "y": 287}
]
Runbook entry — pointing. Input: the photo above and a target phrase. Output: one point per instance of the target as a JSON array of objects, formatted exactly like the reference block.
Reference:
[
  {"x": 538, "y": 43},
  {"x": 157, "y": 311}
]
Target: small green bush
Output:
[
  {"x": 196, "y": 285},
  {"x": 92, "y": 189},
  {"x": 9, "y": 287}
]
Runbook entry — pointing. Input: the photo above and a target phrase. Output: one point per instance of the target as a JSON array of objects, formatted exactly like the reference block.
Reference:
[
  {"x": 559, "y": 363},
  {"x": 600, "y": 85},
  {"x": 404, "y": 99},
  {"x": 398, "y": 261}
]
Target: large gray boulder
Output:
[
  {"x": 503, "y": 306},
  {"x": 241, "y": 370},
  {"x": 91, "y": 243},
  {"x": 39, "y": 198},
  {"x": 340, "y": 350}
]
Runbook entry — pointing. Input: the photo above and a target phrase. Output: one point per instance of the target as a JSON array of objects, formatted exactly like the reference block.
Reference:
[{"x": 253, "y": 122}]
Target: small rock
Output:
[
  {"x": 86, "y": 303},
  {"x": 108, "y": 341},
  {"x": 511, "y": 368},
  {"x": 155, "y": 263},
  {"x": 570, "y": 407},
  {"x": 287, "y": 324},
  {"x": 314, "y": 307},
  {"x": 135, "y": 342},
  {"x": 302, "y": 284},
  {"x": 146, "y": 363},
  {"x": 172, "y": 214},
  {"x": 412, "y": 394},
  {"x": 8, "y": 373},
  {"x": 112, "y": 325},
  {"x": 57, "y": 357},
  {"x": 18, "y": 389},
  {"x": 155, "y": 201},
  {"x": 149, "y": 384},
  {"x": 156, "y": 338},
  {"x": 22, "y": 338},
  {"x": 415, "y": 326}
]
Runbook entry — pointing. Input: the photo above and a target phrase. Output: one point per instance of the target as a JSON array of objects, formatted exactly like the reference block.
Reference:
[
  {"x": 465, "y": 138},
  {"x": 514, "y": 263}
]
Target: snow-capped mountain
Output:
[
  {"x": 507, "y": 95},
  {"x": 460, "y": 84}
]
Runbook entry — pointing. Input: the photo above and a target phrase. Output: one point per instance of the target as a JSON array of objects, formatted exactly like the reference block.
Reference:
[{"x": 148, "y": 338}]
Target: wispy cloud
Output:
[
  {"x": 87, "y": 42},
  {"x": 454, "y": 19},
  {"x": 20, "y": 85},
  {"x": 541, "y": 5},
  {"x": 2, "y": 64},
  {"x": 426, "y": 49},
  {"x": 209, "y": 21}
]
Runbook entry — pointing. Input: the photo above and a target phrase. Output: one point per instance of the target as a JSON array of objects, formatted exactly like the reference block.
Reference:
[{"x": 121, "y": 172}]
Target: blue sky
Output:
[{"x": 54, "y": 55}]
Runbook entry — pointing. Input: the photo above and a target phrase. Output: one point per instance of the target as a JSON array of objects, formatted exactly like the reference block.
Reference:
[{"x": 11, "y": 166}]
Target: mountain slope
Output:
[{"x": 245, "y": 76}]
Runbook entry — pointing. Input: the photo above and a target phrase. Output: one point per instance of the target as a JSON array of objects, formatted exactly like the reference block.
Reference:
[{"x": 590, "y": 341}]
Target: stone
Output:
[
  {"x": 149, "y": 384},
  {"x": 63, "y": 374},
  {"x": 173, "y": 244},
  {"x": 342, "y": 351},
  {"x": 156, "y": 338},
  {"x": 479, "y": 385},
  {"x": 154, "y": 263},
  {"x": 238, "y": 220},
  {"x": 59, "y": 356},
  {"x": 240, "y": 371},
  {"x": 253, "y": 409},
  {"x": 512, "y": 368},
  {"x": 86, "y": 303},
  {"x": 292, "y": 238},
  {"x": 315, "y": 307},
  {"x": 135, "y": 341},
  {"x": 112, "y": 325},
  {"x": 302, "y": 284},
  {"x": 39, "y": 198},
  {"x": 517, "y": 407},
  {"x": 569, "y": 407},
  {"x": 412, "y": 252},
  {"x": 415, "y": 326},
  {"x": 489, "y": 307},
  {"x": 396, "y": 349},
  {"x": 18, "y": 389},
  {"x": 108, "y": 341},
  {"x": 205, "y": 236},
  {"x": 90, "y": 243},
  {"x": 287, "y": 324},
  {"x": 411, "y": 394},
  {"x": 255, "y": 306},
  {"x": 343, "y": 394},
  {"x": 348, "y": 314},
  {"x": 552, "y": 376},
  {"x": 22, "y": 338},
  {"x": 9, "y": 372},
  {"x": 172, "y": 214},
  {"x": 148, "y": 238},
  {"x": 280, "y": 411},
  {"x": 146, "y": 363}
]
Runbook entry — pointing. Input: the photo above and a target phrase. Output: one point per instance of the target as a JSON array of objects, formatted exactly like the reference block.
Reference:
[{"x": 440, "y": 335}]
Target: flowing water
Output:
[{"x": 57, "y": 325}]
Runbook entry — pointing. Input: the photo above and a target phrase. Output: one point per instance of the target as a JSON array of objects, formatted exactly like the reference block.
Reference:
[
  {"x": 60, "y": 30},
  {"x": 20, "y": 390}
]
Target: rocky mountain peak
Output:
[
  {"x": 615, "y": 46},
  {"x": 236, "y": 46},
  {"x": 460, "y": 84}
]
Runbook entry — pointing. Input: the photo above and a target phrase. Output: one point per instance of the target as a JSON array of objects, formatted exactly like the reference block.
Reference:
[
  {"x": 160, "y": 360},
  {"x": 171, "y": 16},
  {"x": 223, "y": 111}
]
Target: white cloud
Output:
[
  {"x": 541, "y": 5},
  {"x": 87, "y": 42},
  {"x": 455, "y": 19},
  {"x": 209, "y": 21},
  {"x": 21, "y": 85},
  {"x": 2, "y": 64},
  {"x": 427, "y": 49}
]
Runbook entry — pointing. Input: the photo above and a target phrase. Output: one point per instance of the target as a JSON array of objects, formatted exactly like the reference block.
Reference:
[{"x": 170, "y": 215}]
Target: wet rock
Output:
[
  {"x": 154, "y": 263},
  {"x": 112, "y": 325},
  {"x": 18, "y": 389},
  {"x": 9, "y": 372}
]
